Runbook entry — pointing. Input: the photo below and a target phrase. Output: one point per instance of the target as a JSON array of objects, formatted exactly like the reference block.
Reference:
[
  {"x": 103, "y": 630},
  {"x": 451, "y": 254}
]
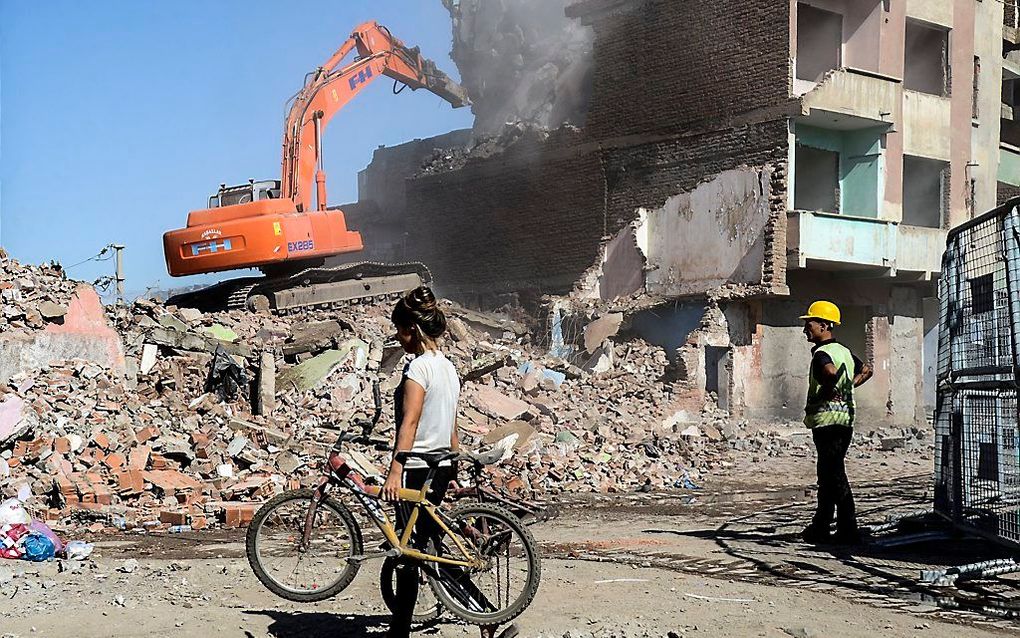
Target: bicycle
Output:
[
  {"x": 427, "y": 607},
  {"x": 306, "y": 546}
]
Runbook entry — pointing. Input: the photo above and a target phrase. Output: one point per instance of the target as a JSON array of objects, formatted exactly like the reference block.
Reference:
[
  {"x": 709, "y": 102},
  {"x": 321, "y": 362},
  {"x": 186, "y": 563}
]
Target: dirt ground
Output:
[{"x": 720, "y": 561}]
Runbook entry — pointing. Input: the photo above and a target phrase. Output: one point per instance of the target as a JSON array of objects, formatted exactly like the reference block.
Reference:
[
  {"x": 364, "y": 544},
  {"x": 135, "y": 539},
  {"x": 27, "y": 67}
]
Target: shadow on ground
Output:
[
  {"x": 296, "y": 624},
  {"x": 769, "y": 541}
]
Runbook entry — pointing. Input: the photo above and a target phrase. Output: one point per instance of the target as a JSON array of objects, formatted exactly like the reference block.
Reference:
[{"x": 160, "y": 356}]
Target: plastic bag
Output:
[
  {"x": 13, "y": 512},
  {"x": 37, "y": 547},
  {"x": 225, "y": 376},
  {"x": 10, "y": 540},
  {"x": 42, "y": 528},
  {"x": 78, "y": 550}
]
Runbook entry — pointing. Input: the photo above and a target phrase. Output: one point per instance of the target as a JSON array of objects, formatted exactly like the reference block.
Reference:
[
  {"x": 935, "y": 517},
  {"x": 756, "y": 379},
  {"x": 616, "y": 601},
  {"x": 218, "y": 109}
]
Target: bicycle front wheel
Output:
[
  {"x": 504, "y": 588},
  {"x": 295, "y": 570}
]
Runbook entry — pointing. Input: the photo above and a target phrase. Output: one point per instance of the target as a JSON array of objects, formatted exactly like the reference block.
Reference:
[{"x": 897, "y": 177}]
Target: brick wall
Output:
[
  {"x": 533, "y": 217},
  {"x": 682, "y": 91},
  {"x": 1004, "y": 193},
  {"x": 380, "y": 213},
  {"x": 665, "y": 65},
  {"x": 528, "y": 219},
  {"x": 647, "y": 174}
]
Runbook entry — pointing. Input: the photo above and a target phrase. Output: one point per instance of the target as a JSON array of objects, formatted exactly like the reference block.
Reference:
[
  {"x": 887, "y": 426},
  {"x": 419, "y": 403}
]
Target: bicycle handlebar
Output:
[{"x": 347, "y": 437}]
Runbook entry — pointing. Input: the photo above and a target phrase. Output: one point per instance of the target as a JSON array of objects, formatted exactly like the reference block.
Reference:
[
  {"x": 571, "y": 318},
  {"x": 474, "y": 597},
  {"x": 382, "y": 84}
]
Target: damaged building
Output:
[{"x": 724, "y": 173}]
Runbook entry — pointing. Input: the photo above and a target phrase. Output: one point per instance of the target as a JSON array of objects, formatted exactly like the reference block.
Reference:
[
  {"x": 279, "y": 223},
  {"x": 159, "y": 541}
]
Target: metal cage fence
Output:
[{"x": 977, "y": 455}]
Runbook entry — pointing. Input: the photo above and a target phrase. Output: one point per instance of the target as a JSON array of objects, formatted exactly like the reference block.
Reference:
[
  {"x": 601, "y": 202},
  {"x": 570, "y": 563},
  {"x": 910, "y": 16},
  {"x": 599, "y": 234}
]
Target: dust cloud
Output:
[{"x": 522, "y": 61}]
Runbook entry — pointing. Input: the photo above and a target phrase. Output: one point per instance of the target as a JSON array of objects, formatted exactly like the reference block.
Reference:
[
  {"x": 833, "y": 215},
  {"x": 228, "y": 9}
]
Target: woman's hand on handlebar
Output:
[{"x": 391, "y": 488}]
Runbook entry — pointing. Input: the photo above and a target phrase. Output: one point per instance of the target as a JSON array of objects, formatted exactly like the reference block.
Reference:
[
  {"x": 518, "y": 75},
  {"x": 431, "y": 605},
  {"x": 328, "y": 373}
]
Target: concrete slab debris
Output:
[
  {"x": 51, "y": 311},
  {"x": 311, "y": 373},
  {"x": 596, "y": 332},
  {"x": 148, "y": 361},
  {"x": 522, "y": 429},
  {"x": 497, "y": 405}
]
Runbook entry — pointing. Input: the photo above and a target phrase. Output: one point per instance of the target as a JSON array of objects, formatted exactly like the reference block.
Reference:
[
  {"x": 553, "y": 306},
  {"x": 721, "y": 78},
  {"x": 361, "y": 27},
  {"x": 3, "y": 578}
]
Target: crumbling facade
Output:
[{"x": 738, "y": 160}]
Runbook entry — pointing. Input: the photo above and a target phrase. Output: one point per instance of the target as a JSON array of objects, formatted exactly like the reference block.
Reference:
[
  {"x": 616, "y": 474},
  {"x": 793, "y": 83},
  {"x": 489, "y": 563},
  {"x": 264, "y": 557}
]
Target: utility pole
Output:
[{"x": 120, "y": 272}]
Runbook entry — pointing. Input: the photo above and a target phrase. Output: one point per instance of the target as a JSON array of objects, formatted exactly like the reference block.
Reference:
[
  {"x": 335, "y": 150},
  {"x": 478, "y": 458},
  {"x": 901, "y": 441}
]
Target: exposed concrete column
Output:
[
  {"x": 874, "y": 400},
  {"x": 962, "y": 106},
  {"x": 906, "y": 340},
  {"x": 985, "y": 135},
  {"x": 891, "y": 42},
  {"x": 265, "y": 401}
]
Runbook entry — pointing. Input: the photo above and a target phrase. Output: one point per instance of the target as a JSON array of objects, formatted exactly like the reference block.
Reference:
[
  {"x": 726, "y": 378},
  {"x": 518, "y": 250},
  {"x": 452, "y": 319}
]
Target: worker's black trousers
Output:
[
  {"x": 834, "y": 493},
  {"x": 408, "y": 578}
]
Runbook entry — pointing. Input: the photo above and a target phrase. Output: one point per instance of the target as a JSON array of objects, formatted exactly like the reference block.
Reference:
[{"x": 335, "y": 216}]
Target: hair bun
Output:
[
  {"x": 420, "y": 308},
  {"x": 422, "y": 299}
]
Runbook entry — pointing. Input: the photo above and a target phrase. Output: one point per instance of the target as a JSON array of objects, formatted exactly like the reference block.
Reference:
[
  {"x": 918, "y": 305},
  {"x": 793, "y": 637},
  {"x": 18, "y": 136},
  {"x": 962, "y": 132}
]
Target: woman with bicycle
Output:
[{"x": 425, "y": 404}]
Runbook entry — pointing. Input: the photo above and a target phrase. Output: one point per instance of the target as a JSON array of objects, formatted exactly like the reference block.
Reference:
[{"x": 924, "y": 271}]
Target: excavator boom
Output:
[
  {"x": 334, "y": 84},
  {"x": 274, "y": 225}
]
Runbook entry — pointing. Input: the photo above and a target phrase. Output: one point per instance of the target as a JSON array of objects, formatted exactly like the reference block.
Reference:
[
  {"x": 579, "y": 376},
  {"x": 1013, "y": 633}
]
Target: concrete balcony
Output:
[
  {"x": 852, "y": 99},
  {"x": 920, "y": 249},
  {"x": 926, "y": 125},
  {"x": 842, "y": 243},
  {"x": 932, "y": 11},
  {"x": 1011, "y": 66}
]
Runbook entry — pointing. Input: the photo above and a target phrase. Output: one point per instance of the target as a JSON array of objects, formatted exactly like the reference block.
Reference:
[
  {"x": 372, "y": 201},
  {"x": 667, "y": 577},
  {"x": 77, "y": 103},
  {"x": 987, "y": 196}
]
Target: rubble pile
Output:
[
  {"x": 214, "y": 413},
  {"x": 452, "y": 159},
  {"x": 31, "y": 297}
]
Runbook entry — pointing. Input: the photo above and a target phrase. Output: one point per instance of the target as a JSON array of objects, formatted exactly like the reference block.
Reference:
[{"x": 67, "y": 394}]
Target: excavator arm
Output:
[{"x": 330, "y": 87}]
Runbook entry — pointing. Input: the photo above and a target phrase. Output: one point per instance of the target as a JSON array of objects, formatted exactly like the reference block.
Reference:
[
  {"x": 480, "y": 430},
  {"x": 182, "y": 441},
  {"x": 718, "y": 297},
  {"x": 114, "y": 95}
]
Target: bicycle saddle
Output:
[{"x": 432, "y": 459}]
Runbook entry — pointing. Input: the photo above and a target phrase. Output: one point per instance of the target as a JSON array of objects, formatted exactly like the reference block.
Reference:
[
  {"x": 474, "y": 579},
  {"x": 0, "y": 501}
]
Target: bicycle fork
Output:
[{"x": 317, "y": 497}]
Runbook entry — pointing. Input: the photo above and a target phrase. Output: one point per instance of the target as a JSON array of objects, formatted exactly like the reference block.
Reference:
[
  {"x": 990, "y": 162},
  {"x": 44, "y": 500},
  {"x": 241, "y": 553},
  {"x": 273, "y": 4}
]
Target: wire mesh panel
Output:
[
  {"x": 977, "y": 474},
  {"x": 945, "y": 453}
]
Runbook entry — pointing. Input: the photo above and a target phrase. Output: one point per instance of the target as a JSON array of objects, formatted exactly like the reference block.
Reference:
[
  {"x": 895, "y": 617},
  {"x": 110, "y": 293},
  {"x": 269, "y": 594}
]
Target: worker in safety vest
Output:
[{"x": 829, "y": 413}]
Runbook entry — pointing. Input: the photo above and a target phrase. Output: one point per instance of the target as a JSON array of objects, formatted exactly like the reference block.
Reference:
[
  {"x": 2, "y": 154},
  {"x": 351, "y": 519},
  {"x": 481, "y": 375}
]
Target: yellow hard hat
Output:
[{"x": 824, "y": 310}]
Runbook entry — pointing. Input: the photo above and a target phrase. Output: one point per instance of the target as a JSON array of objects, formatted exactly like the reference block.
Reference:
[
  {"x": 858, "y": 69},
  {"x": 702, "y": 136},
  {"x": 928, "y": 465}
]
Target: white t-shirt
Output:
[{"x": 434, "y": 372}]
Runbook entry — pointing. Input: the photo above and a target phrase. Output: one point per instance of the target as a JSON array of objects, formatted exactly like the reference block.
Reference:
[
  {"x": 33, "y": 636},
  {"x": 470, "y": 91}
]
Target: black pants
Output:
[
  {"x": 834, "y": 493},
  {"x": 425, "y": 528}
]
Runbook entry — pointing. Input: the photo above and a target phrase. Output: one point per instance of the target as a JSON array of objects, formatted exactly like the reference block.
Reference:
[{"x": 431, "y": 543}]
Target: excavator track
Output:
[
  {"x": 322, "y": 287},
  {"x": 238, "y": 299}
]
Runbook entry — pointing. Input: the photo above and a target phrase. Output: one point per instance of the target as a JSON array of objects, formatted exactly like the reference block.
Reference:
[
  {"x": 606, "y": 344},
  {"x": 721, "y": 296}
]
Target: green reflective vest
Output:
[{"x": 819, "y": 411}]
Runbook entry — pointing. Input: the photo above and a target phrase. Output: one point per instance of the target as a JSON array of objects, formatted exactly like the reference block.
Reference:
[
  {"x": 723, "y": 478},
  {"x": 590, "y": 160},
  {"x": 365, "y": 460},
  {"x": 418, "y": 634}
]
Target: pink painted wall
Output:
[
  {"x": 891, "y": 41},
  {"x": 961, "y": 41}
]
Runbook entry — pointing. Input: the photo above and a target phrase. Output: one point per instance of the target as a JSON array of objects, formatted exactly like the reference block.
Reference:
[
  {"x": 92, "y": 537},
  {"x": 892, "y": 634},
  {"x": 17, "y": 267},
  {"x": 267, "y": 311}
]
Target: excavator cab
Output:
[{"x": 251, "y": 192}]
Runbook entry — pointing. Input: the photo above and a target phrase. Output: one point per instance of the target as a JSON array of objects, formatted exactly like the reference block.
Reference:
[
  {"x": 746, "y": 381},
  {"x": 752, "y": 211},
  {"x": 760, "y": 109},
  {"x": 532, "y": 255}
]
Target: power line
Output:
[{"x": 97, "y": 257}]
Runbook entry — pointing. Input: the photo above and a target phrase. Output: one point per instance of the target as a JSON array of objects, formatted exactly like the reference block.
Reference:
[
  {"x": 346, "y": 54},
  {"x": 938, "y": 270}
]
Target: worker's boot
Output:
[
  {"x": 816, "y": 535},
  {"x": 850, "y": 536}
]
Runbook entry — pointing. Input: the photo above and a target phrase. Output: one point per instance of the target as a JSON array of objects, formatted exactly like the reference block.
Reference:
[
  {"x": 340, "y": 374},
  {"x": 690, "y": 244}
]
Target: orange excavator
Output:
[{"x": 274, "y": 226}]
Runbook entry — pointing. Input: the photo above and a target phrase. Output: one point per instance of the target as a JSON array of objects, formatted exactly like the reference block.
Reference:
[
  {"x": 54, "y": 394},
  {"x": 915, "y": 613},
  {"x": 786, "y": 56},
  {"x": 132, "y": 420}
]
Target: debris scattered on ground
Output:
[{"x": 214, "y": 413}]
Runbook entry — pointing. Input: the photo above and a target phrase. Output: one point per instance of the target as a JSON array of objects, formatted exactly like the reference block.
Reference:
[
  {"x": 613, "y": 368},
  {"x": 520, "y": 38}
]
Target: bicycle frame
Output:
[{"x": 340, "y": 474}]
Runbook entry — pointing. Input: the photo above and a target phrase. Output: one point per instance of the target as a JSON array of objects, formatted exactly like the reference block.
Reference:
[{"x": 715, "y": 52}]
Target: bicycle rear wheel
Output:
[
  {"x": 502, "y": 590},
  {"x": 299, "y": 573}
]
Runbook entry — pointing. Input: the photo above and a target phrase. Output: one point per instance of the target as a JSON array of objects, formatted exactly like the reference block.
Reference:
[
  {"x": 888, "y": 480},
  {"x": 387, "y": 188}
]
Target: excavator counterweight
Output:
[{"x": 273, "y": 225}]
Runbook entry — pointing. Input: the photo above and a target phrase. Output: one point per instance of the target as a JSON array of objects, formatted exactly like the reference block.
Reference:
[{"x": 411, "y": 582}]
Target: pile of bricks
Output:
[
  {"x": 32, "y": 296},
  {"x": 157, "y": 448}
]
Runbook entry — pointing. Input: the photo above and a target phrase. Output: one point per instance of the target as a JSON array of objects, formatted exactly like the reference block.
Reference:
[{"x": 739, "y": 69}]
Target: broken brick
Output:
[
  {"x": 138, "y": 458},
  {"x": 173, "y": 517},
  {"x": 238, "y": 514}
]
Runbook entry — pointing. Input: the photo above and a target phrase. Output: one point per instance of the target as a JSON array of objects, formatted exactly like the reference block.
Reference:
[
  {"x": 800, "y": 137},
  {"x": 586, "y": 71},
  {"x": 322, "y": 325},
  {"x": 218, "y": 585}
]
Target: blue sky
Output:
[{"x": 117, "y": 117}]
